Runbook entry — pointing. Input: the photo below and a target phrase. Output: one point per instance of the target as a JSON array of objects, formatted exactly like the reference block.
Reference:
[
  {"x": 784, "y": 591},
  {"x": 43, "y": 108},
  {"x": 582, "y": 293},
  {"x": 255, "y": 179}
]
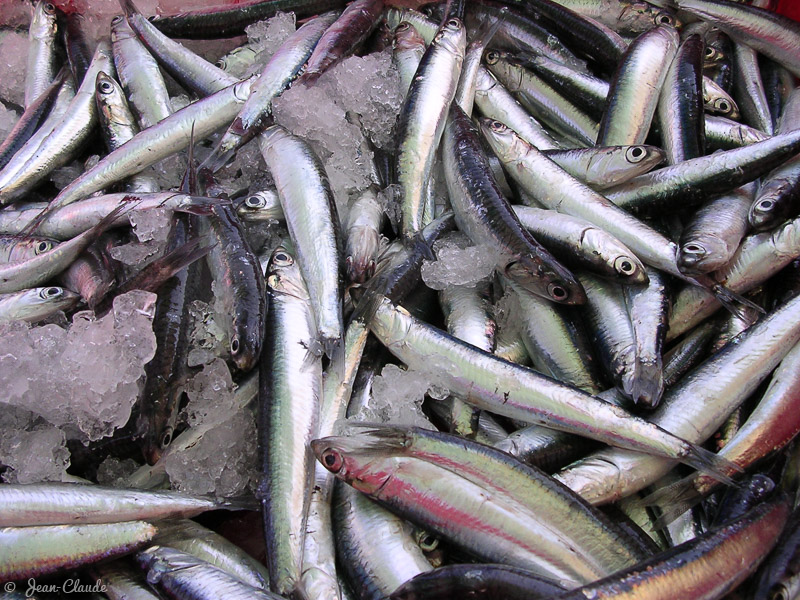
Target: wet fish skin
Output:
[
  {"x": 290, "y": 393},
  {"x": 139, "y": 75},
  {"x": 184, "y": 576},
  {"x": 36, "y": 304},
  {"x": 705, "y": 568},
  {"x": 313, "y": 223},
  {"x": 35, "y": 551},
  {"x": 422, "y": 120},
  {"x": 42, "y": 47},
  {"x": 487, "y": 218}
]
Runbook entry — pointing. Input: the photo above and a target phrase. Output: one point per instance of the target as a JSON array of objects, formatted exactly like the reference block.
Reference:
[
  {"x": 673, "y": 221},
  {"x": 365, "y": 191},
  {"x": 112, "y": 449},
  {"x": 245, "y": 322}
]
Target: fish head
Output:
[
  {"x": 630, "y": 268},
  {"x": 548, "y": 279},
  {"x": 364, "y": 469},
  {"x": 263, "y": 205}
]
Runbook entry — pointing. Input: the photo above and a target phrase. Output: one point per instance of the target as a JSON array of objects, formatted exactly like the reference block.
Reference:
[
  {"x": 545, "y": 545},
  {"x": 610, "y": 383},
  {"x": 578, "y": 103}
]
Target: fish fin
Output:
[
  {"x": 714, "y": 465},
  {"x": 129, "y": 8},
  {"x": 246, "y": 502},
  {"x": 189, "y": 183},
  {"x": 361, "y": 437},
  {"x": 730, "y": 299},
  {"x": 487, "y": 30},
  {"x": 203, "y": 206},
  {"x": 672, "y": 500},
  {"x": 160, "y": 270},
  {"x": 367, "y": 307}
]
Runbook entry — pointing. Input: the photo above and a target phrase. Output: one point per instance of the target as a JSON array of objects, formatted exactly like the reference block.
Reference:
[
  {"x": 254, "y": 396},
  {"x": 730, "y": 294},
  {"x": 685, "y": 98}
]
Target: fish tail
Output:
[
  {"x": 673, "y": 500},
  {"x": 716, "y": 466},
  {"x": 129, "y": 7},
  {"x": 731, "y": 301}
]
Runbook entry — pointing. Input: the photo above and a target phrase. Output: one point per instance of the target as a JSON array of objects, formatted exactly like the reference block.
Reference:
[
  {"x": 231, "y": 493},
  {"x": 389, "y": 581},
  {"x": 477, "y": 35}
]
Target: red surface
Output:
[{"x": 789, "y": 8}]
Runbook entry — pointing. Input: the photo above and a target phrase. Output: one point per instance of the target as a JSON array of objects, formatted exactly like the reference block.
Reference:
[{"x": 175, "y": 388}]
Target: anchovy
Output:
[
  {"x": 191, "y": 537},
  {"x": 711, "y": 237},
  {"x": 36, "y": 304},
  {"x": 516, "y": 392},
  {"x": 181, "y": 575},
  {"x": 487, "y": 218},
  {"x": 289, "y": 397},
  {"x": 41, "y": 69},
  {"x": 188, "y": 69},
  {"x": 771, "y": 34},
  {"x": 422, "y": 120},
  {"x": 157, "y": 142},
  {"x": 725, "y": 380},
  {"x": 350, "y": 30},
  {"x": 241, "y": 286},
  {"x": 139, "y": 75},
  {"x": 223, "y": 22},
  {"x": 707, "y": 567},
  {"x": 582, "y": 245},
  {"x": 313, "y": 223},
  {"x": 34, "y": 551},
  {"x": 67, "y": 136},
  {"x": 276, "y": 76},
  {"x": 26, "y": 505},
  {"x": 634, "y": 92}
]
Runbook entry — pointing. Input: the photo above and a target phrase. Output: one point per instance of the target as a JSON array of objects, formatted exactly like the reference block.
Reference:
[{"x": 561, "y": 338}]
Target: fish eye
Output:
[
  {"x": 404, "y": 26},
  {"x": 51, "y": 292},
  {"x": 166, "y": 439},
  {"x": 766, "y": 205},
  {"x": 105, "y": 87},
  {"x": 332, "y": 460},
  {"x": 454, "y": 23},
  {"x": 116, "y": 20},
  {"x": 722, "y": 105},
  {"x": 255, "y": 202},
  {"x": 426, "y": 541},
  {"x": 492, "y": 56},
  {"x": 498, "y": 126},
  {"x": 664, "y": 19},
  {"x": 49, "y": 8},
  {"x": 625, "y": 266},
  {"x": 557, "y": 292},
  {"x": 235, "y": 345},
  {"x": 282, "y": 258},
  {"x": 710, "y": 52},
  {"x": 635, "y": 154},
  {"x": 43, "y": 247},
  {"x": 694, "y": 249}
]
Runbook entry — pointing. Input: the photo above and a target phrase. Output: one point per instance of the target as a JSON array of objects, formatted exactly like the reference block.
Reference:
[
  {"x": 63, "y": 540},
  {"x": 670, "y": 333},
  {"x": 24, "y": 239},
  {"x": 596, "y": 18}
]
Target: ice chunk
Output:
[
  {"x": 65, "y": 175},
  {"x": 458, "y": 264},
  {"x": 222, "y": 462},
  {"x": 30, "y": 449},
  {"x": 8, "y": 118},
  {"x": 115, "y": 472},
  {"x": 397, "y": 397},
  {"x": 13, "y": 61},
  {"x": 210, "y": 392},
  {"x": 358, "y": 93},
  {"x": 15, "y": 13},
  {"x": 369, "y": 86},
  {"x": 151, "y": 227},
  {"x": 208, "y": 338},
  {"x": 213, "y": 50},
  {"x": 265, "y": 37},
  {"x": 84, "y": 378},
  {"x": 245, "y": 173}
]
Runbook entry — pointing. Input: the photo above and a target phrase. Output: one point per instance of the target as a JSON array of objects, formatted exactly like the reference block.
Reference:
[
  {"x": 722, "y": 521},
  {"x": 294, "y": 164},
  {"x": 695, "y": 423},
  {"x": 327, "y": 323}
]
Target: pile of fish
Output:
[{"x": 580, "y": 247}]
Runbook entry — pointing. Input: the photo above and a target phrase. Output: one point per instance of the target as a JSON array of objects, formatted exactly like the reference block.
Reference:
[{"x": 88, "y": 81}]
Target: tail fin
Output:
[
  {"x": 673, "y": 500},
  {"x": 714, "y": 465},
  {"x": 129, "y": 8}
]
